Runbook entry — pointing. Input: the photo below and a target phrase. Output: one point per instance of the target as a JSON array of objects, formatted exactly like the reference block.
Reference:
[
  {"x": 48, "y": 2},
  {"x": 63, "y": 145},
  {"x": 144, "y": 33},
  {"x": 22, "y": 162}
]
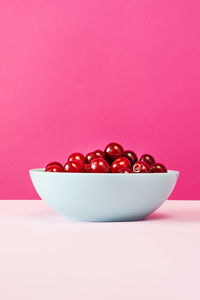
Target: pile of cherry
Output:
[{"x": 114, "y": 159}]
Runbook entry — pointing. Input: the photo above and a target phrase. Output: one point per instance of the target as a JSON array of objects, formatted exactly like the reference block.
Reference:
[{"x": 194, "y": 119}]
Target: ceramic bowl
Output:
[{"x": 104, "y": 197}]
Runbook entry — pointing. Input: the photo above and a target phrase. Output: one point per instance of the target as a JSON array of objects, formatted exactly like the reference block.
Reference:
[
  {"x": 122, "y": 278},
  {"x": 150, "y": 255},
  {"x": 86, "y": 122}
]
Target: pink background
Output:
[{"x": 75, "y": 75}]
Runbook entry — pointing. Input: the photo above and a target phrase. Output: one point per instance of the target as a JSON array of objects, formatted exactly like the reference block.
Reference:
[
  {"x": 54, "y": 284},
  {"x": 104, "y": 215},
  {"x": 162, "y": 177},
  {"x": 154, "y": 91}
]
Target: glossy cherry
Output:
[
  {"x": 140, "y": 167},
  {"x": 86, "y": 168},
  {"x": 113, "y": 151},
  {"x": 125, "y": 170},
  {"x": 77, "y": 157},
  {"x": 54, "y": 163},
  {"x": 119, "y": 163},
  {"x": 157, "y": 168},
  {"x": 131, "y": 156},
  {"x": 95, "y": 154},
  {"x": 147, "y": 158},
  {"x": 73, "y": 166},
  {"x": 54, "y": 168},
  {"x": 99, "y": 165}
]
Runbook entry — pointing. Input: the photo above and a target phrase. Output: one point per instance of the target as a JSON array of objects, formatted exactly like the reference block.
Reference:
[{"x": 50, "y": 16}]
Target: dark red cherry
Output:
[
  {"x": 119, "y": 163},
  {"x": 147, "y": 158},
  {"x": 113, "y": 151},
  {"x": 131, "y": 156},
  {"x": 54, "y": 168},
  {"x": 140, "y": 167},
  {"x": 77, "y": 157},
  {"x": 54, "y": 163},
  {"x": 86, "y": 168},
  {"x": 125, "y": 170},
  {"x": 95, "y": 154},
  {"x": 157, "y": 168},
  {"x": 73, "y": 166},
  {"x": 99, "y": 165}
]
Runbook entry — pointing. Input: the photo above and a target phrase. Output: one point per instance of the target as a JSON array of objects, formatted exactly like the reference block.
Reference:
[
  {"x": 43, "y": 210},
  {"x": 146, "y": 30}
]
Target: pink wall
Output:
[{"x": 75, "y": 75}]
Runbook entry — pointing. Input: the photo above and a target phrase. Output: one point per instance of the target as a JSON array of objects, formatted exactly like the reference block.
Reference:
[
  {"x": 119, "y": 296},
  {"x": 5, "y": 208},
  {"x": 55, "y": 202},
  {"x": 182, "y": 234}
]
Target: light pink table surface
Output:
[{"x": 43, "y": 256}]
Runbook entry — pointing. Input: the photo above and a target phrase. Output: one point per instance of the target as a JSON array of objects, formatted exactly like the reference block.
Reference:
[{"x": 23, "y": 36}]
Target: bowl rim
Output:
[{"x": 41, "y": 170}]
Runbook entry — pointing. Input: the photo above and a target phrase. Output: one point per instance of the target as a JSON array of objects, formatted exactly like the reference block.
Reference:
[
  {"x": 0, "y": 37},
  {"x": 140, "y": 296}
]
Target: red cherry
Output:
[
  {"x": 86, "y": 168},
  {"x": 54, "y": 168},
  {"x": 131, "y": 156},
  {"x": 113, "y": 151},
  {"x": 119, "y": 163},
  {"x": 140, "y": 167},
  {"x": 147, "y": 158},
  {"x": 77, "y": 157},
  {"x": 73, "y": 166},
  {"x": 99, "y": 165},
  {"x": 54, "y": 163},
  {"x": 125, "y": 170},
  {"x": 157, "y": 168},
  {"x": 92, "y": 155}
]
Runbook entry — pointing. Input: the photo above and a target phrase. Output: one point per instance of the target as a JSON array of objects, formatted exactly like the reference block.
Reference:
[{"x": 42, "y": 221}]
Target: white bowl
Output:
[{"x": 104, "y": 197}]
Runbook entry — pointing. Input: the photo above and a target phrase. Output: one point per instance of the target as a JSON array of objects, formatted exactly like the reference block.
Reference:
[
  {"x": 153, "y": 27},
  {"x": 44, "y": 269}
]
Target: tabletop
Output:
[{"x": 44, "y": 256}]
